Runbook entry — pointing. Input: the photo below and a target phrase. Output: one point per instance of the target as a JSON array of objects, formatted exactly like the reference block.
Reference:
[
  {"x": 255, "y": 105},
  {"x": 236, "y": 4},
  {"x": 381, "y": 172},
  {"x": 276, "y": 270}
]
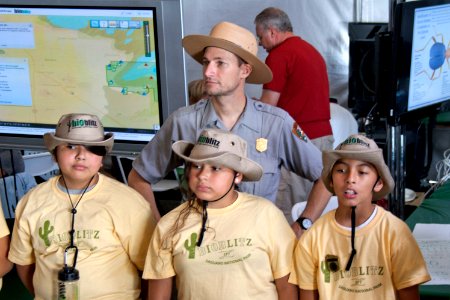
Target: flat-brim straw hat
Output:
[
  {"x": 234, "y": 39},
  {"x": 79, "y": 129},
  {"x": 360, "y": 148},
  {"x": 220, "y": 148}
]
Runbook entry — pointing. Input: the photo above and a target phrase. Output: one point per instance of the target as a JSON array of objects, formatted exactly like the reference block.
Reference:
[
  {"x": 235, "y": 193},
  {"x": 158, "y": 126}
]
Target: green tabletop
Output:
[{"x": 435, "y": 209}]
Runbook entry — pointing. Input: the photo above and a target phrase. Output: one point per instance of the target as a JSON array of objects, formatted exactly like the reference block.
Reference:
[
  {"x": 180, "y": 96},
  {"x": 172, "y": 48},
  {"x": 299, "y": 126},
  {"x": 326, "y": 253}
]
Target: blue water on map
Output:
[{"x": 137, "y": 70}]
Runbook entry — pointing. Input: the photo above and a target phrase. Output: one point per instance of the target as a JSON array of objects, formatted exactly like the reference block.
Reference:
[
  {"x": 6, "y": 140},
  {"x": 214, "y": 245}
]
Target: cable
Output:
[{"x": 443, "y": 167}]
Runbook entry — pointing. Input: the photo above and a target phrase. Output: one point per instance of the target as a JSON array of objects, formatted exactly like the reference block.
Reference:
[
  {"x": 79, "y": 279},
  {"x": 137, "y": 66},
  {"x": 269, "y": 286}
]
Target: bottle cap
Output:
[{"x": 68, "y": 274}]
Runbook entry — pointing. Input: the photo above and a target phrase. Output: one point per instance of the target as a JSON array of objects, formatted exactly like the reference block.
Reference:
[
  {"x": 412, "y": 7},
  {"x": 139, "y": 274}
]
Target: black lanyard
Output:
[
  {"x": 72, "y": 227},
  {"x": 353, "y": 253},
  {"x": 205, "y": 212}
]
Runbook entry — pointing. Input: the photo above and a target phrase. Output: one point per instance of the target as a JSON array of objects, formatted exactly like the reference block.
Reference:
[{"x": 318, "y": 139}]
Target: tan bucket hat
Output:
[
  {"x": 235, "y": 39},
  {"x": 222, "y": 148},
  {"x": 360, "y": 148},
  {"x": 80, "y": 129}
]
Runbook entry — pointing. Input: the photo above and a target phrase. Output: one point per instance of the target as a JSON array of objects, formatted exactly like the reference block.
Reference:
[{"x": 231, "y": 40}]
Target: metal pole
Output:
[{"x": 396, "y": 164}]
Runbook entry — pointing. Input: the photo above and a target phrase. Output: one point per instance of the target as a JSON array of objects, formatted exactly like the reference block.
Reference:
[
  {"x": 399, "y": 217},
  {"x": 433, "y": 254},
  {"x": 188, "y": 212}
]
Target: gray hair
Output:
[{"x": 274, "y": 17}]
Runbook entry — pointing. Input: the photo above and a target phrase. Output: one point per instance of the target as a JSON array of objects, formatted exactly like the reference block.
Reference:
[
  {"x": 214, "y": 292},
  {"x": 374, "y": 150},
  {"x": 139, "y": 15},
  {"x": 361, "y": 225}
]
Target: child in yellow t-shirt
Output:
[
  {"x": 359, "y": 250},
  {"x": 81, "y": 220},
  {"x": 220, "y": 243}
]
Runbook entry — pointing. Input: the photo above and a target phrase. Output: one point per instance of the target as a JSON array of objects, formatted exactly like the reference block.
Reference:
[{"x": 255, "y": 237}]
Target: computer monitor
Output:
[
  {"x": 422, "y": 53},
  {"x": 102, "y": 58}
]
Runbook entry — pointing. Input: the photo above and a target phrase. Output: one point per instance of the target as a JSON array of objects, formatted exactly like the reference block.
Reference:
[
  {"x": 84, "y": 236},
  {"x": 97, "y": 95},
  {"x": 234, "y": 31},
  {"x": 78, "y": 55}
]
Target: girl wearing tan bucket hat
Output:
[
  {"x": 220, "y": 243},
  {"x": 81, "y": 223}
]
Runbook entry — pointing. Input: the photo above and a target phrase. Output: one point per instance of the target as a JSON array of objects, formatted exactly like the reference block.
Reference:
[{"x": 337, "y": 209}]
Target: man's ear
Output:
[
  {"x": 246, "y": 70},
  {"x": 272, "y": 31}
]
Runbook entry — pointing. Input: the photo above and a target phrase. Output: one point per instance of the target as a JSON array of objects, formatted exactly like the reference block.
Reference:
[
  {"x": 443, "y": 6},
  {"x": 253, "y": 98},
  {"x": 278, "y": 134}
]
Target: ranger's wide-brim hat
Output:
[
  {"x": 221, "y": 148},
  {"x": 360, "y": 148},
  {"x": 235, "y": 39},
  {"x": 79, "y": 129}
]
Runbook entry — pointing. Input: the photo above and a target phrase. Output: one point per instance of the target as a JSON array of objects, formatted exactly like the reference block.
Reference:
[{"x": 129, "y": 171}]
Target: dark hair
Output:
[
  {"x": 274, "y": 17},
  {"x": 196, "y": 90}
]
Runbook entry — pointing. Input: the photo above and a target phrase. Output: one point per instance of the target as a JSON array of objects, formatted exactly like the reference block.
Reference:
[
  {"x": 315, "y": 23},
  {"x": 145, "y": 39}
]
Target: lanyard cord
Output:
[
  {"x": 204, "y": 218},
  {"x": 205, "y": 214},
  {"x": 352, "y": 255},
  {"x": 74, "y": 209}
]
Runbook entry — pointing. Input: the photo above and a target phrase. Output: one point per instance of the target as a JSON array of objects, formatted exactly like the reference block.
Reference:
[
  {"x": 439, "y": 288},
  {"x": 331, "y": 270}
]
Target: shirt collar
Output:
[{"x": 250, "y": 118}]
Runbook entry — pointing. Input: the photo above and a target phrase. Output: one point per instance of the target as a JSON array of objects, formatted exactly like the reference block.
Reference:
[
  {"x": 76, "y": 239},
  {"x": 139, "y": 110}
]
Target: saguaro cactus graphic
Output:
[
  {"x": 45, "y": 231},
  {"x": 191, "y": 247}
]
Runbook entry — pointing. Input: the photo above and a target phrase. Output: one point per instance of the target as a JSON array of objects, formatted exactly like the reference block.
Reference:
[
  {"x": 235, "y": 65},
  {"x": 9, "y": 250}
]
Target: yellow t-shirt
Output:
[
  {"x": 113, "y": 226},
  {"x": 4, "y": 231},
  {"x": 387, "y": 259},
  {"x": 247, "y": 246}
]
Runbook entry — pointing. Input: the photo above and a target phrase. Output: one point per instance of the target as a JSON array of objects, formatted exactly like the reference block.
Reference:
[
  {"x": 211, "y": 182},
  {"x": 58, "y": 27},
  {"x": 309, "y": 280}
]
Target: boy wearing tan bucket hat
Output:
[
  {"x": 81, "y": 220},
  {"x": 229, "y": 58},
  {"x": 359, "y": 250},
  {"x": 220, "y": 243}
]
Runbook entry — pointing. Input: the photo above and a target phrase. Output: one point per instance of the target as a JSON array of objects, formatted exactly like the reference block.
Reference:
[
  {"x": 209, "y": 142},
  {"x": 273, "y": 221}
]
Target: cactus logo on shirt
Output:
[
  {"x": 220, "y": 252},
  {"x": 359, "y": 279},
  {"x": 45, "y": 231},
  {"x": 48, "y": 235},
  {"x": 190, "y": 245}
]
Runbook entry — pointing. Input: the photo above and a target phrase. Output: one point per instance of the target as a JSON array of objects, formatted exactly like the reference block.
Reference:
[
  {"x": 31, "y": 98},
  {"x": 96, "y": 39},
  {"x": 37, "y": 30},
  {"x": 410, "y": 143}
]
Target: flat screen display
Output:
[
  {"x": 430, "y": 57},
  {"x": 422, "y": 58},
  {"x": 56, "y": 60}
]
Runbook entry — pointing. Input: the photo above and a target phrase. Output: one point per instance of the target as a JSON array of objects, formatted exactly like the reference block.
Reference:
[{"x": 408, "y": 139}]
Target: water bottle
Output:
[
  {"x": 68, "y": 279},
  {"x": 68, "y": 284}
]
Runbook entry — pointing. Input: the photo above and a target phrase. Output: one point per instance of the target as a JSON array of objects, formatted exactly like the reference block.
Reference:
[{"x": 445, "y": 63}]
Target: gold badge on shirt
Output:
[{"x": 261, "y": 144}]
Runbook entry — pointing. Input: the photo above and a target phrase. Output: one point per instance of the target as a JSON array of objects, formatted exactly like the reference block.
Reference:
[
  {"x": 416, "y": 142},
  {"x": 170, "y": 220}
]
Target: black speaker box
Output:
[{"x": 362, "y": 68}]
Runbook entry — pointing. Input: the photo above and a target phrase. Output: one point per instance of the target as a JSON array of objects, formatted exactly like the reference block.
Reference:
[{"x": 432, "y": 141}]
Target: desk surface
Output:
[
  {"x": 436, "y": 210},
  {"x": 418, "y": 200}
]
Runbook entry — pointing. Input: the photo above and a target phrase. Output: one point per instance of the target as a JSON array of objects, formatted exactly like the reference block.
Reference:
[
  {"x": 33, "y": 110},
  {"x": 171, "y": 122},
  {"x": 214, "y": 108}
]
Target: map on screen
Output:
[{"x": 92, "y": 60}]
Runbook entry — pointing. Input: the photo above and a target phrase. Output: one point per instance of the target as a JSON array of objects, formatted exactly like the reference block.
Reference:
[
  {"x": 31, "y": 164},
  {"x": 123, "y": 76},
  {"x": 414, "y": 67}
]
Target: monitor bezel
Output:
[
  {"x": 169, "y": 32},
  {"x": 402, "y": 45}
]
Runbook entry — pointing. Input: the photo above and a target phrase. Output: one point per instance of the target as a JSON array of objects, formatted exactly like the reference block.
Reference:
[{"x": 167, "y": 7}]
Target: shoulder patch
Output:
[{"x": 298, "y": 132}]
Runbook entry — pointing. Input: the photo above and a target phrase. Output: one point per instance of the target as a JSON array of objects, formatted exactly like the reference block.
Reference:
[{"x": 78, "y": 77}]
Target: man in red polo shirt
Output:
[{"x": 299, "y": 86}]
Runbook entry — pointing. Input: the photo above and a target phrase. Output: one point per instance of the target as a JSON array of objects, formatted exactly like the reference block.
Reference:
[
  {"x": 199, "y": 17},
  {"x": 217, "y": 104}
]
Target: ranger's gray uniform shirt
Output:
[{"x": 273, "y": 140}]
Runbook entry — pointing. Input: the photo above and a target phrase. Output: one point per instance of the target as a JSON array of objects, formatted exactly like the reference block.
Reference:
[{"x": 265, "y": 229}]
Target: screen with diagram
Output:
[{"x": 430, "y": 57}]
